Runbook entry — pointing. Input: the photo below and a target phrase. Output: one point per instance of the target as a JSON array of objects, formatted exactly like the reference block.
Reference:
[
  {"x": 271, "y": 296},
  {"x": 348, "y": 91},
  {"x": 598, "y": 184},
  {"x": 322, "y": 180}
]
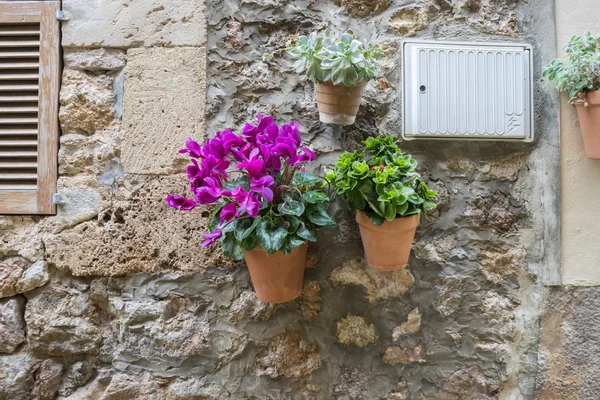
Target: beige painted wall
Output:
[{"x": 580, "y": 175}]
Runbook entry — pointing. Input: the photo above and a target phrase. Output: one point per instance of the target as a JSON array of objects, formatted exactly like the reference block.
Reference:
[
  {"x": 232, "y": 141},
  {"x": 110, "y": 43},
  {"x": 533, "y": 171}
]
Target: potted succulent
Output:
[
  {"x": 340, "y": 67},
  {"x": 266, "y": 207},
  {"x": 580, "y": 77},
  {"x": 388, "y": 194}
]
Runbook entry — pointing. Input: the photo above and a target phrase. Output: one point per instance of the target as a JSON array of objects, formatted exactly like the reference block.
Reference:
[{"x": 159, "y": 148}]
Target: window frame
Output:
[{"x": 40, "y": 201}]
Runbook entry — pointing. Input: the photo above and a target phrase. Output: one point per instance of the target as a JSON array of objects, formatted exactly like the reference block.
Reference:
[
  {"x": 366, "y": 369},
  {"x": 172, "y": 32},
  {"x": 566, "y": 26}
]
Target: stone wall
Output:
[{"x": 113, "y": 299}]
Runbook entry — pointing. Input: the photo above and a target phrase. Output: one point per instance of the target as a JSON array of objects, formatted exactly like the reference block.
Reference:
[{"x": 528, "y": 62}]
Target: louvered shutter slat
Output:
[{"x": 29, "y": 81}]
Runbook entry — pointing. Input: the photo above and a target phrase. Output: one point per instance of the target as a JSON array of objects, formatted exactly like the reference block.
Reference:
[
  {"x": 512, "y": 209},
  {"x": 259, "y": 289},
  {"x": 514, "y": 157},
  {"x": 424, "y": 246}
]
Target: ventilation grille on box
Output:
[
  {"x": 467, "y": 91},
  {"x": 19, "y": 86}
]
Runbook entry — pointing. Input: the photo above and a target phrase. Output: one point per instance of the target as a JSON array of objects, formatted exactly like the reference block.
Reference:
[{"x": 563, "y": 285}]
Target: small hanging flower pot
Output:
[
  {"x": 382, "y": 184},
  {"x": 387, "y": 246},
  {"x": 338, "y": 104},
  {"x": 580, "y": 77},
  {"x": 265, "y": 208},
  {"x": 277, "y": 277},
  {"x": 588, "y": 112},
  {"x": 340, "y": 68}
]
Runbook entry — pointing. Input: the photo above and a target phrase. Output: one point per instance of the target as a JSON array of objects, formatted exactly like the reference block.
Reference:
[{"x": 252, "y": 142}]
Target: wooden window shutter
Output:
[{"x": 29, "y": 91}]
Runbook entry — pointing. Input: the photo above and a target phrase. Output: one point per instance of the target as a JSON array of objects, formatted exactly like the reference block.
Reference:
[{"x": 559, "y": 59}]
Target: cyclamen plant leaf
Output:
[
  {"x": 292, "y": 207},
  {"x": 305, "y": 233},
  {"x": 271, "y": 235},
  {"x": 231, "y": 247},
  {"x": 313, "y": 196},
  {"x": 307, "y": 179},
  {"x": 317, "y": 214}
]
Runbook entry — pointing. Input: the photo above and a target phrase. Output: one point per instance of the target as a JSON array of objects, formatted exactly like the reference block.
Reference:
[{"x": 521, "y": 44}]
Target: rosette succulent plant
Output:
[
  {"x": 581, "y": 73},
  {"x": 257, "y": 184},
  {"x": 341, "y": 60},
  {"x": 383, "y": 181}
]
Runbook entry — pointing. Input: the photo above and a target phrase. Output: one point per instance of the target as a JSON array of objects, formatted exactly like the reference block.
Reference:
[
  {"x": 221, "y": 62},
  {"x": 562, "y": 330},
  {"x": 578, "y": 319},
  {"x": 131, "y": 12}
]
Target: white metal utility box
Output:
[{"x": 469, "y": 91}]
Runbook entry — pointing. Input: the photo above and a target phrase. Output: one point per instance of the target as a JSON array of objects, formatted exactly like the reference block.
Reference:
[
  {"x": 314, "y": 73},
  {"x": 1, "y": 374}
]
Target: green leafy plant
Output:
[
  {"x": 382, "y": 181},
  {"x": 341, "y": 60},
  {"x": 581, "y": 73}
]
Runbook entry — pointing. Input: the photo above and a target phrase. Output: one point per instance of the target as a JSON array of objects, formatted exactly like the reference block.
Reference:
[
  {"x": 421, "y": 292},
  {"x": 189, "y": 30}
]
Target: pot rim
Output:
[
  {"x": 407, "y": 222},
  {"x": 592, "y": 97},
  {"x": 330, "y": 83}
]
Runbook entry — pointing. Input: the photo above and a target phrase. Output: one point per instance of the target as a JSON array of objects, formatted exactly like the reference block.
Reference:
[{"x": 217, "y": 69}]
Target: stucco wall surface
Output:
[
  {"x": 580, "y": 175},
  {"x": 113, "y": 298}
]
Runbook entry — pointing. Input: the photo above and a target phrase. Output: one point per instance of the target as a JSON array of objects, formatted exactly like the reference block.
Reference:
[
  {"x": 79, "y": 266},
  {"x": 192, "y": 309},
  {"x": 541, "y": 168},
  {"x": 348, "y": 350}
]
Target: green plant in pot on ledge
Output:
[
  {"x": 580, "y": 78},
  {"x": 340, "y": 67},
  {"x": 383, "y": 186},
  {"x": 265, "y": 206}
]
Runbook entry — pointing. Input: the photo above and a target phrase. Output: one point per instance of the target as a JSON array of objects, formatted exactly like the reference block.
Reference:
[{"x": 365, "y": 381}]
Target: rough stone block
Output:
[
  {"x": 95, "y": 60},
  {"x": 356, "y": 330},
  {"x": 129, "y": 23},
  {"x": 378, "y": 284},
  {"x": 289, "y": 356},
  {"x": 164, "y": 103},
  {"x": 16, "y": 376},
  {"x": 86, "y": 102},
  {"x": 12, "y": 324},
  {"x": 18, "y": 275},
  {"x": 137, "y": 233},
  {"x": 60, "y": 319}
]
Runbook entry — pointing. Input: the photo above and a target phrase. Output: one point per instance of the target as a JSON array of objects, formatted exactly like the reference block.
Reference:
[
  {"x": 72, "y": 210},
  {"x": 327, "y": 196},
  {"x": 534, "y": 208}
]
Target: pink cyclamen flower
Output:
[
  {"x": 180, "y": 202},
  {"x": 209, "y": 192},
  {"x": 211, "y": 237},
  {"x": 227, "y": 213},
  {"x": 192, "y": 148},
  {"x": 262, "y": 187}
]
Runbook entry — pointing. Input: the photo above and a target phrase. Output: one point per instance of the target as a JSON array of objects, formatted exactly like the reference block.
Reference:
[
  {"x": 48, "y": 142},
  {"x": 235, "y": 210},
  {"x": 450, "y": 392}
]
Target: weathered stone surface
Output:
[
  {"x": 412, "y": 325},
  {"x": 138, "y": 233},
  {"x": 408, "y": 21},
  {"x": 363, "y": 8},
  {"x": 506, "y": 168},
  {"x": 352, "y": 385},
  {"x": 12, "y": 324},
  {"x": 70, "y": 329},
  {"x": 78, "y": 374},
  {"x": 86, "y": 102},
  {"x": 401, "y": 392},
  {"x": 95, "y": 60},
  {"x": 47, "y": 380},
  {"x": 184, "y": 389},
  {"x": 248, "y": 306},
  {"x": 310, "y": 302},
  {"x": 499, "y": 210},
  {"x": 397, "y": 355},
  {"x": 163, "y": 105},
  {"x": 469, "y": 383},
  {"x": 107, "y": 386},
  {"x": 289, "y": 356},
  {"x": 451, "y": 292},
  {"x": 16, "y": 376},
  {"x": 378, "y": 284},
  {"x": 356, "y": 330},
  {"x": 569, "y": 346},
  {"x": 83, "y": 198},
  {"x": 86, "y": 154},
  {"x": 498, "y": 263},
  {"x": 168, "y": 329},
  {"x": 132, "y": 23},
  {"x": 18, "y": 275}
]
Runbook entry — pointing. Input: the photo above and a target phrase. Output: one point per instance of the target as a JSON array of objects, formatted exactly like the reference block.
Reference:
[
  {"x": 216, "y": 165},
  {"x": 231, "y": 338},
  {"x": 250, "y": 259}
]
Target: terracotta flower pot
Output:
[
  {"x": 589, "y": 121},
  {"x": 277, "y": 277},
  {"x": 387, "y": 247},
  {"x": 338, "y": 104}
]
